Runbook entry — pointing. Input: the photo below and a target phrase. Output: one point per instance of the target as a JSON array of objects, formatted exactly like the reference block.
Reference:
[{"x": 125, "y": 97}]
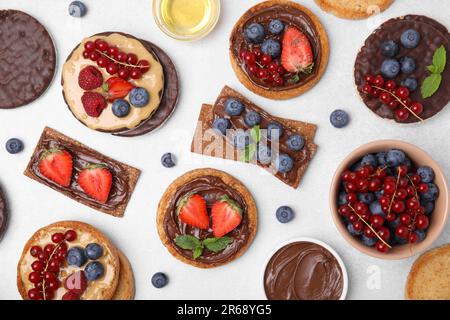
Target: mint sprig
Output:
[
  {"x": 189, "y": 242},
  {"x": 432, "y": 83},
  {"x": 250, "y": 150}
]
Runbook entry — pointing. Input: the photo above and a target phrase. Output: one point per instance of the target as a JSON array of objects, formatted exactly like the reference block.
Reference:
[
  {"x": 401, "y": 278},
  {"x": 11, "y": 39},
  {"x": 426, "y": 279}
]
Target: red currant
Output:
[
  {"x": 390, "y": 216},
  {"x": 403, "y": 182},
  {"x": 53, "y": 265},
  {"x": 352, "y": 217},
  {"x": 57, "y": 238},
  {"x": 53, "y": 285},
  {"x": 70, "y": 235},
  {"x": 94, "y": 55},
  {"x": 123, "y": 73},
  {"x": 262, "y": 73},
  {"x": 374, "y": 185},
  {"x": 101, "y": 45},
  {"x": 411, "y": 191},
  {"x": 401, "y": 231},
  {"x": 363, "y": 185},
  {"x": 358, "y": 225},
  {"x": 361, "y": 208},
  {"x": 368, "y": 232},
  {"x": 413, "y": 238},
  {"x": 249, "y": 58},
  {"x": 351, "y": 197},
  {"x": 272, "y": 67},
  {"x": 281, "y": 70},
  {"x": 384, "y": 200},
  {"x": 401, "y": 114},
  {"x": 393, "y": 104},
  {"x": 344, "y": 210},
  {"x": 266, "y": 59},
  {"x": 253, "y": 69},
  {"x": 398, "y": 206},
  {"x": 367, "y": 88},
  {"x": 112, "y": 51},
  {"x": 34, "y": 277},
  {"x": 42, "y": 256},
  {"x": 121, "y": 56},
  {"x": 35, "y": 250},
  {"x": 422, "y": 222},
  {"x": 405, "y": 219},
  {"x": 135, "y": 73},
  {"x": 382, "y": 247},
  {"x": 350, "y": 187},
  {"x": 390, "y": 85},
  {"x": 385, "y": 97},
  {"x": 412, "y": 203},
  {"x": 132, "y": 58},
  {"x": 34, "y": 294},
  {"x": 384, "y": 233},
  {"x": 378, "y": 81},
  {"x": 389, "y": 187},
  {"x": 144, "y": 65},
  {"x": 402, "y": 92},
  {"x": 102, "y": 62},
  {"x": 257, "y": 52},
  {"x": 37, "y": 266},
  {"x": 86, "y": 54},
  {"x": 279, "y": 81},
  {"x": 49, "y": 276},
  {"x": 416, "y": 107},
  {"x": 376, "y": 220},
  {"x": 89, "y": 46},
  {"x": 423, "y": 188},
  {"x": 416, "y": 179},
  {"x": 112, "y": 68},
  {"x": 368, "y": 78},
  {"x": 69, "y": 295}
]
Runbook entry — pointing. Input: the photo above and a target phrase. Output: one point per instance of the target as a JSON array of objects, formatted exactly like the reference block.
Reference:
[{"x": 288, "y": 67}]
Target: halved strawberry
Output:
[
  {"x": 96, "y": 181},
  {"x": 192, "y": 211},
  {"x": 296, "y": 55},
  {"x": 57, "y": 165},
  {"x": 76, "y": 282},
  {"x": 116, "y": 88},
  {"x": 226, "y": 215}
]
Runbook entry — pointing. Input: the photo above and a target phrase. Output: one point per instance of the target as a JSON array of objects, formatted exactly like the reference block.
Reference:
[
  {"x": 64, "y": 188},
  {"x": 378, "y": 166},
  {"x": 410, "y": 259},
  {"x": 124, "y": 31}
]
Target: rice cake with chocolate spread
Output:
[
  {"x": 212, "y": 184},
  {"x": 3, "y": 214},
  {"x": 354, "y": 9},
  {"x": 28, "y": 59},
  {"x": 369, "y": 60},
  {"x": 163, "y": 97},
  {"x": 302, "y": 157},
  {"x": 292, "y": 14}
]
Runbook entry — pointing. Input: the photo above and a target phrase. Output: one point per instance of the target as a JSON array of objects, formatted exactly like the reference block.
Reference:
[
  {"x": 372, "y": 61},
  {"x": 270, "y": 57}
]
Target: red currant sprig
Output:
[
  {"x": 114, "y": 60},
  {"x": 263, "y": 67},
  {"x": 392, "y": 96}
]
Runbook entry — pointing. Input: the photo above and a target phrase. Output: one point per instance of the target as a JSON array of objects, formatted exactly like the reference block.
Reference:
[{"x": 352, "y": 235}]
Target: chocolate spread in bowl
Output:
[
  {"x": 290, "y": 16},
  {"x": 211, "y": 188},
  {"x": 369, "y": 60},
  {"x": 303, "y": 271}
]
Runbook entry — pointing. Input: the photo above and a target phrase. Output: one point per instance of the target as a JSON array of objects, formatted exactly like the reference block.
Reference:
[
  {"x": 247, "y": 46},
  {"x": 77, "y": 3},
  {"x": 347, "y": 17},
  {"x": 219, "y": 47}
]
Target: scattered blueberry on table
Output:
[
  {"x": 159, "y": 280},
  {"x": 77, "y": 9},
  {"x": 339, "y": 118},
  {"x": 14, "y": 145},
  {"x": 167, "y": 160},
  {"x": 285, "y": 214}
]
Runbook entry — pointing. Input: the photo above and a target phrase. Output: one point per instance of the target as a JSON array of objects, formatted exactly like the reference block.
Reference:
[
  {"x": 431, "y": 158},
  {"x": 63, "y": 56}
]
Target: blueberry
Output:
[
  {"x": 159, "y": 280},
  {"x": 274, "y": 130},
  {"x": 352, "y": 230},
  {"x": 276, "y": 26},
  {"x": 241, "y": 139},
  {"x": 355, "y": 166},
  {"x": 295, "y": 142},
  {"x": 77, "y": 9},
  {"x": 167, "y": 160},
  {"x": 285, "y": 214},
  {"x": 252, "y": 118},
  {"x": 375, "y": 208},
  {"x": 121, "y": 108},
  {"x": 369, "y": 242},
  {"x": 389, "y": 48},
  {"x": 431, "y": 194},
  {"x": 139, "y": 97},
  {"x": 264, "y": 154},
  {"x": 410, "y": 38},
  {"x": 410, "y": 83},
  {"x": 407, "y": 163},
  {"x": 342, "y": 198},
  {"x": 76, "y": 257},
  {"x": 233, "y": 107},
  {"x": 339, "y": 118},
  {"x": 94, "y": 251},
  {"x": 399, "y": 240},
  {"x": 284, "y": 163},
  {"x": 381, "y": 158},
  {"x": 421, "y": 234},
  {"x": 408, "y": 65},
  {"x": 390, "y": 68},
  {"x": 221, "y": 125},
  {"x": 379, "y": 193},
  {"x": 366, "y": 198},
  {"x": 429, "y": 206},
  {"x": 395, "y": 157},
  {"x": 94, "y": 270},
  {"x": 271, "y": 47},
  {"x": 255, "y": 33},
  {"x": 14, "y": 145},
  {"x": 369, "y": 160},
  {"x": 426, "y": 174},
  {"x": 394, "y": 224}
]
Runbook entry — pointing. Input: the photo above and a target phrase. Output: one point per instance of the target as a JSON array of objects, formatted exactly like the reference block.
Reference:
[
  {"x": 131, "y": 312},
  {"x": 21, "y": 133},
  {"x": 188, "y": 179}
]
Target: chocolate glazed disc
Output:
[
  {"x": 3, "y": 214},
  {"x": 369, "y": 60},
  {"x": 27, "y": 59}
]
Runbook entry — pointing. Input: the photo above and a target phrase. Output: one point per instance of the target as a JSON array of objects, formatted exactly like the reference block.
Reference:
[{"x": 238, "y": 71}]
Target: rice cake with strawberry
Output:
[
  {"x": 279, "y": 49},
  {"x": 206, "y": 218},
  {"x": 81, "y": 173},
  {"x": 72, "y": 260},
  {"x": 114, "y": 82}
]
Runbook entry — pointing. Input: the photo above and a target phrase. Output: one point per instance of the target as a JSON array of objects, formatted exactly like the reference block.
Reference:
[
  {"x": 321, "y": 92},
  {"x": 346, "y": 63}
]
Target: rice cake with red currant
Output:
[
  {"x": 401, "y": 72},
  {"x": 28, "y": 59},
  {"x": 114, "y": 82},
  {"x": 354, "y": 9},
  {"x": 279, "y": 49},
  {"x": 206, "y": 218},
  {"x": 77, "y": 260}
]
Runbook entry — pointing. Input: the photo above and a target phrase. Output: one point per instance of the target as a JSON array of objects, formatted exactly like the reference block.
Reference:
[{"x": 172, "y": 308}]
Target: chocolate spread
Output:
[
  {"x": 27, "y": 59},
  {"x": 369, "y": 60},
  {"x": 300, "y": 157},
  {"x": 303, "y": 271},
  {"x": 211, "y": 188},
  {"x": 290, "y": 16}
]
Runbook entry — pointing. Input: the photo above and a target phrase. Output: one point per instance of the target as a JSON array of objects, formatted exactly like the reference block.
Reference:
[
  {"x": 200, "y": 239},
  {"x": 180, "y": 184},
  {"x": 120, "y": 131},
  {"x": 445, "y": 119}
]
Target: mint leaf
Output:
[
  {"x": 197, "y": 252},
  {"x": 432, "y": 68},
  {"x": 255, "y": 133},
  {"x": 430, "y": 85},
  {"x": 187, "y": 242},
  {"x": 440, "y": 59},
  {"x": 294, "y": 79},
  {"x": 248, "y": 153},
  {"x": 216, "y": 244}
]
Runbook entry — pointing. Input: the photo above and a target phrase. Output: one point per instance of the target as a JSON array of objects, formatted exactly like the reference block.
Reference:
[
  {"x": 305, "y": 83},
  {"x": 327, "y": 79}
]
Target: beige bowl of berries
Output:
[{"x": 389, "y": 199}]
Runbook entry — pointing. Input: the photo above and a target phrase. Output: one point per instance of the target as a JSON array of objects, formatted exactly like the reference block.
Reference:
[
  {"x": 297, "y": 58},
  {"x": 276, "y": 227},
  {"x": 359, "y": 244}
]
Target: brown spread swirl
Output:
[{"x": 303, "y": 271}]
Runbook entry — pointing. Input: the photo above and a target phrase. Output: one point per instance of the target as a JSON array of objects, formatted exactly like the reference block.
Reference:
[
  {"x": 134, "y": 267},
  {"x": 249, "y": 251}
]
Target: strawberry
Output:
[
  {"x": 296, "y": 55},
  {"x": 76, "y": 283},
  {"x": 226, "y": 215},
  {"x": 93, "y": 103},
  {"x": 192, "y": 211},
  {"x": 116, "y": 88},
  {"x": 90, "y": 78},
  {"x": 56, "y": 165},
  {"x": 96, "y": 182}
]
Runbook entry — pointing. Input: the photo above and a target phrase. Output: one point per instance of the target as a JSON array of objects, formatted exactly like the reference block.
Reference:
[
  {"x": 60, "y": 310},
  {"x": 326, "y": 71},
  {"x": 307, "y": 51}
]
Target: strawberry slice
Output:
[
  {"x": 226, "y": 215},
  {"x": 296, "y": 55},
  {"x": 56, "y": 165},
  {"x": 192, "y": 211},
  {"x": 96, "y": 181},
  {"x": 116, "y": 88},
  {"x": 76, "y": 282}
]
